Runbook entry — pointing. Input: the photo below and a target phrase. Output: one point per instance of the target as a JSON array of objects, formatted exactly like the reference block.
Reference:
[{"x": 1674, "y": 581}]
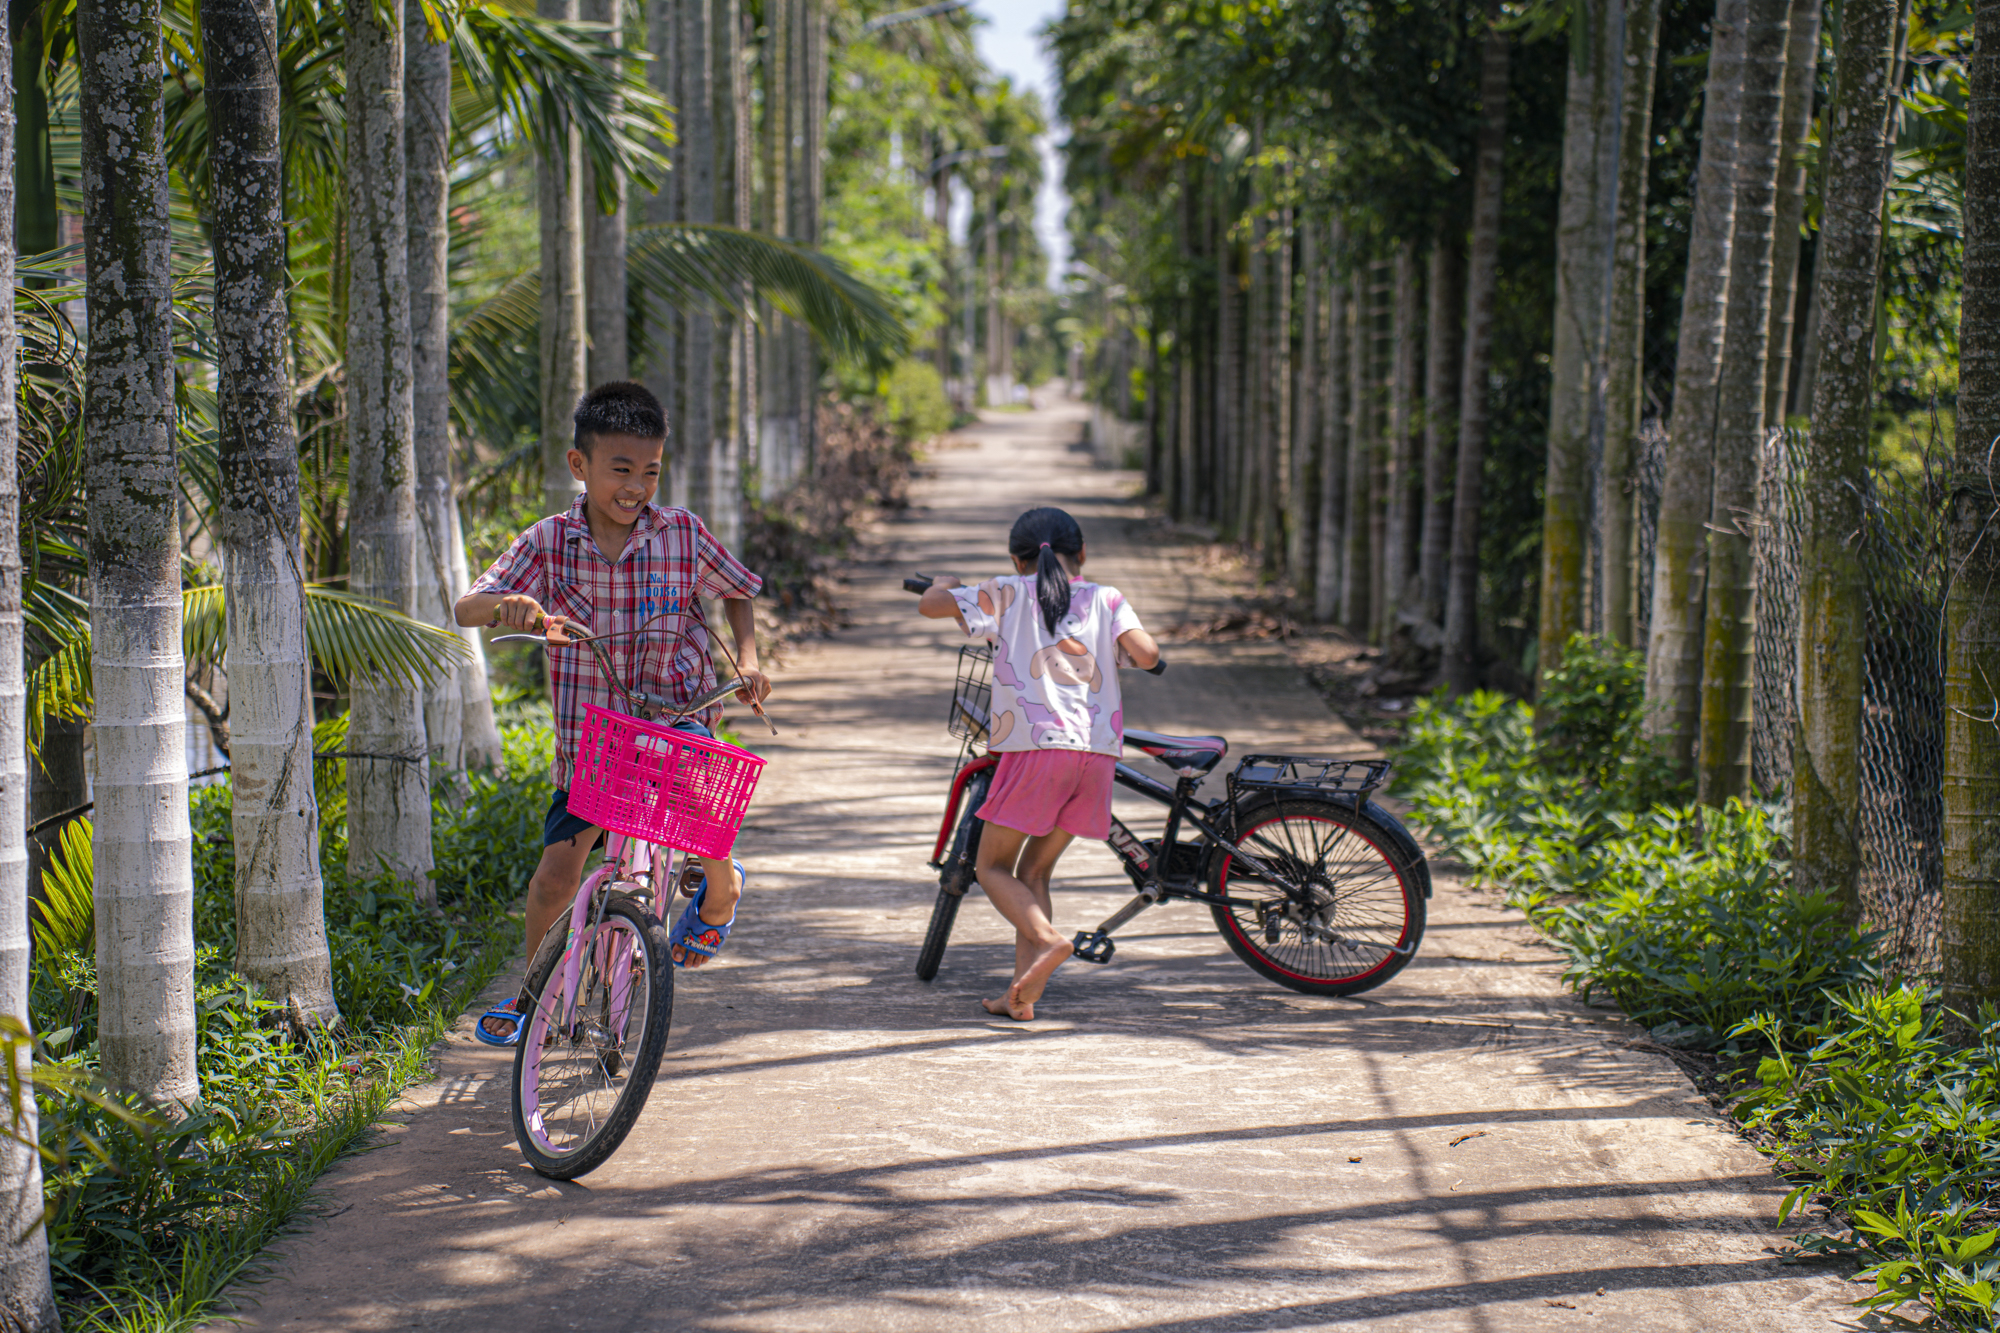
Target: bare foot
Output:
[
  {"x": 1007, "y": 1007},
  {"x": 1028, "y": 987}
]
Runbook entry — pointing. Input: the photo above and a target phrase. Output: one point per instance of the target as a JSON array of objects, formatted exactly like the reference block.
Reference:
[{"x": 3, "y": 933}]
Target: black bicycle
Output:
[{"x": 1311, "y": 883}]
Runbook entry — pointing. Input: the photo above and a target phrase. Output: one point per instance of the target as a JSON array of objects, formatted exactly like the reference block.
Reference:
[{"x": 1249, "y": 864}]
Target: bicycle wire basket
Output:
[
  {"x": 972, "y": 695},
  {"x": 1335, "y": 777},
  {"x": 654, "y": 782}
]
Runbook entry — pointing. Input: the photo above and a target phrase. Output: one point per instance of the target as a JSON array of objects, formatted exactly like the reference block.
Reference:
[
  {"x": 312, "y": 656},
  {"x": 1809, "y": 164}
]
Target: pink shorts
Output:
[{"x": 1037, "y": 791}]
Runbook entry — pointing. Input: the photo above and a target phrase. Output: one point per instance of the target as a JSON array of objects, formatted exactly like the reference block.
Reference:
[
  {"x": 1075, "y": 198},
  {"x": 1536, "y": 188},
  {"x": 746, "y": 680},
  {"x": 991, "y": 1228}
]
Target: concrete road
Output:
[{"x": 1174, "y": 1143}]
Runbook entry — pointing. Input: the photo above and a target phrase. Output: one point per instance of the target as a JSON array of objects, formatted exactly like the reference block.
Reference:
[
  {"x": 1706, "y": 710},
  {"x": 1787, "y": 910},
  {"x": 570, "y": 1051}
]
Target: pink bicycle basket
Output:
[{"x": 651, "y": 781}]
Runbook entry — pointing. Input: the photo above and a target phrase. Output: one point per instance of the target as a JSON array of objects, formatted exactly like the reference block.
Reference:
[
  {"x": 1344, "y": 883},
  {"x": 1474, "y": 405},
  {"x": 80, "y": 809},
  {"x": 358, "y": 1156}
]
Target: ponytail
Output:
[{"x": 1045, "y": 536}]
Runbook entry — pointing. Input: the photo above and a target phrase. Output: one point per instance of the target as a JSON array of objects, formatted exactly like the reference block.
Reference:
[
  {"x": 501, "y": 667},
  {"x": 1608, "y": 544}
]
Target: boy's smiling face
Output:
[{"x": 619, "y": 476}]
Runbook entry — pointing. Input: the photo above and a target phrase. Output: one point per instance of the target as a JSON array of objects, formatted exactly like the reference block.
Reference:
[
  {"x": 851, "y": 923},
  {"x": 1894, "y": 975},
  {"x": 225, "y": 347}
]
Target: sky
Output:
[{"x": 1008, "y": 43}]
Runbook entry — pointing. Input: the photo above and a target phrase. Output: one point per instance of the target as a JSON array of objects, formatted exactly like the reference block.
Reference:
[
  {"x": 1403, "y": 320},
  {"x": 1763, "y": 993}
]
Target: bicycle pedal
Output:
[{"x": 1094, "y": 946}]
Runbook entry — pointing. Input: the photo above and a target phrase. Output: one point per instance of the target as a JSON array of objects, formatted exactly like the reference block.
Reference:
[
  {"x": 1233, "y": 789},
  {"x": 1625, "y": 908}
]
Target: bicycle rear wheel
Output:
[
  {"x": 582, "y": 1070},
  {"x": 955, "y": 877},
  {"x": 1363, "y": 914}
]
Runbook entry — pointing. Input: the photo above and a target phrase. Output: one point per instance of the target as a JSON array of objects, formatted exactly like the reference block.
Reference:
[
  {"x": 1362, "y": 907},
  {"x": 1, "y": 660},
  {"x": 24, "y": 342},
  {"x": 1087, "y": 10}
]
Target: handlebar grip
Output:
[
  {"x": 919, "y": 584},
  {"x": 1158, "y": 668}
]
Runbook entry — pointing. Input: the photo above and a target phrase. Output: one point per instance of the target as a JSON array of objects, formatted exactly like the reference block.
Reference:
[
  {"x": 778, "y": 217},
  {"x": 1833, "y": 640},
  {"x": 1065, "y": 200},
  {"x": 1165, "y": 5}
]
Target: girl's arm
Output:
[
  {"x": 937, "y": 603},
  {"x": 1139, "y": 647}
]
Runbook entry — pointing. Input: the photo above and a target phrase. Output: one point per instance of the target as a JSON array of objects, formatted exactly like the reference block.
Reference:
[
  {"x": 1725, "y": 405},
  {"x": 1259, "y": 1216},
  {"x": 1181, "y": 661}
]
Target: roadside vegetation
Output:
[
  {"x": 150, "y": 1218},
  {"x": 1878, "y": 1103}
]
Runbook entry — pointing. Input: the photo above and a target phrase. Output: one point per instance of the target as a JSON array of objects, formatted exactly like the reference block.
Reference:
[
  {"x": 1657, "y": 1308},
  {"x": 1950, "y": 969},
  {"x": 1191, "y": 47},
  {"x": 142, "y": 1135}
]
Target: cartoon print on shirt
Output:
[
  {"x": 1003, "y": 670},
  {"x": 1046, "y": 726},
  {"x": 986, "y": 590},
  {"x": 1067, "y": 663},
  {"x": 1003, "y": 727}
]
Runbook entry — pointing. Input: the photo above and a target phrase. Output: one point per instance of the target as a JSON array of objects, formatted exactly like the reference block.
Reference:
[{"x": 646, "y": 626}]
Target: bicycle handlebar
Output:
[
  {"x": 922, "y": 582},
  {"x": 584, "y": 638}
]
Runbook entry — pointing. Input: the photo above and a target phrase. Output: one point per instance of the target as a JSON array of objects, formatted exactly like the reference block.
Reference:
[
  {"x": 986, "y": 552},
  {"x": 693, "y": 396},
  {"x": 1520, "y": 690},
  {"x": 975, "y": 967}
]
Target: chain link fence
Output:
[{"x": 1904, "y": 560}]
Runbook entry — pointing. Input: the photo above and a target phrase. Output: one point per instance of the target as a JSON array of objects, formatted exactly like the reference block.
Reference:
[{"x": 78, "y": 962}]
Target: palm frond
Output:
[
  {"x": 547, "y": 76},
  {"x": 495, "y": 364},
  {"x": 494, "y": 347},
  {"x": 60, "y": 688},
  {"x": 351, "y": 637},
  {"x": 65, "y": 916},
  {"x": 676, "y": 261},
  {"x": 348, "y": 637}
]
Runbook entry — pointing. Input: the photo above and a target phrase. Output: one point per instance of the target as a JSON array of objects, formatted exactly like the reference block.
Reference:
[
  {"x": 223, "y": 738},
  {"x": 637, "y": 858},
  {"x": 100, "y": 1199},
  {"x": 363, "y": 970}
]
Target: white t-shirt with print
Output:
[{"x": 1051, "y": 691}]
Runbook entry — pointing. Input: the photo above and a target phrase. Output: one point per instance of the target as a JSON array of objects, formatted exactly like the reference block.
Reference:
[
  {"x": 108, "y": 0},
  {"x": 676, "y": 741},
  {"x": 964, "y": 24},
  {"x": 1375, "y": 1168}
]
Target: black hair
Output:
[
  {"x": 1041, "y": 535},
  {"x": 618, "y": 407}
]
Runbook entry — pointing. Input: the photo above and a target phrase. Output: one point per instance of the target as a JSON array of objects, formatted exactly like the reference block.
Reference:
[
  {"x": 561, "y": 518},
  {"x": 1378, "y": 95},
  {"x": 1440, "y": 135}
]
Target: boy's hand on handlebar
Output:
[
  {"x": 519, "y": 611},
  {"x": 756, "y": 687}
]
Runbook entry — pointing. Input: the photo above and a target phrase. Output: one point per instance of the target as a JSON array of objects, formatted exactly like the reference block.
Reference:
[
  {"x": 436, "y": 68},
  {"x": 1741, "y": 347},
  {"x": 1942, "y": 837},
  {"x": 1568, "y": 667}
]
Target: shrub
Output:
[
  {"x": 1700, "y": 945},
  {"x": 1593, "y": 710},
  {"x": 1678, "y": 913},
  {"x": 914, "y": 401}
]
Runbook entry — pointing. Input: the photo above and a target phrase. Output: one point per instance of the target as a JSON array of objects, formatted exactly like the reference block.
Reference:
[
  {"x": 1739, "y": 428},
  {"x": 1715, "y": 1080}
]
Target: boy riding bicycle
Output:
[{"x": 614, "y": 564}]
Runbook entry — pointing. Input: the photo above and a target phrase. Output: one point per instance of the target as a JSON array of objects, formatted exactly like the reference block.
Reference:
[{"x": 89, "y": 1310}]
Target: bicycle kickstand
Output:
[{"x": 1096, "y": 946}]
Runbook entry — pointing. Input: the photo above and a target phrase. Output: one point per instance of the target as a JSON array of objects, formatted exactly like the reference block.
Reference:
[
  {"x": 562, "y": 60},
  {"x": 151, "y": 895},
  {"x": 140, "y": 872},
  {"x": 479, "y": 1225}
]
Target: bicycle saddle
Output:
[{"x": 1189, "y": 756}]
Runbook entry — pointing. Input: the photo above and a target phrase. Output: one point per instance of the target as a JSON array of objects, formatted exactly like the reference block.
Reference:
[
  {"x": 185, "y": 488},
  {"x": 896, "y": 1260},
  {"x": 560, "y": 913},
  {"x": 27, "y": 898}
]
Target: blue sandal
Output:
[
  {"x": 512, "y": 1012},
  {"x": 692, "y": 935}
]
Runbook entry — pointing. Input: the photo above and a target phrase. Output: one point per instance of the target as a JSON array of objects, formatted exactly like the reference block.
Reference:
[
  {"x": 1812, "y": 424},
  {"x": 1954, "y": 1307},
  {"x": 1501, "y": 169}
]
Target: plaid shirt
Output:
[{"x": 669, "y": 563}]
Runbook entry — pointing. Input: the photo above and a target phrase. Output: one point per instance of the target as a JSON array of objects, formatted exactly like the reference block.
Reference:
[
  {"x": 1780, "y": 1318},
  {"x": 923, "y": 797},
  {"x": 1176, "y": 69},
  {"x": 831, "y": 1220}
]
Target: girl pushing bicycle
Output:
[
  {"x": 1057, "y": 724},
  {"x": 614, "y": 565}
]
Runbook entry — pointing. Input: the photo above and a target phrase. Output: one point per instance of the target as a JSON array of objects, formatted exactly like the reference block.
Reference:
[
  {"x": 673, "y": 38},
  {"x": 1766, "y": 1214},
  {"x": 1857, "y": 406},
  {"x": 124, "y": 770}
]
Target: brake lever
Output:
[{"x": 920, "y": 584}]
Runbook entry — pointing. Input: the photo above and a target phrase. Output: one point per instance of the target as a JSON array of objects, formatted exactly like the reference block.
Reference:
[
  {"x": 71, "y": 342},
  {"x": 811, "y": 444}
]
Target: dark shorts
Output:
[{"x": 559, "y": 825}]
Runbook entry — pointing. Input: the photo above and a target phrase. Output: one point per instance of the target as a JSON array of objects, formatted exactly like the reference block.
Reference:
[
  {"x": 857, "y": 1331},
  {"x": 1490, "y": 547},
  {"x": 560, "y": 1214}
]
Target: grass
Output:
[{"x": 150, "y": 1220}]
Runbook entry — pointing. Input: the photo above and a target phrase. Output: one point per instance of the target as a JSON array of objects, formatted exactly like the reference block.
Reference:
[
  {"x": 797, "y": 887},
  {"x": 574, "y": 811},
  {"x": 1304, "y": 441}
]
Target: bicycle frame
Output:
[
  {"x": 625, "y": 858},
  {"x": 1210, "y": 818}
]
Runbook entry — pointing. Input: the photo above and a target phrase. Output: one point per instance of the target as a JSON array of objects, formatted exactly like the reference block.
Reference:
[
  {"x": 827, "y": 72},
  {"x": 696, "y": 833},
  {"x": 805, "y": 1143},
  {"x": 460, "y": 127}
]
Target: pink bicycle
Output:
[{"x": 600, "y": 986}]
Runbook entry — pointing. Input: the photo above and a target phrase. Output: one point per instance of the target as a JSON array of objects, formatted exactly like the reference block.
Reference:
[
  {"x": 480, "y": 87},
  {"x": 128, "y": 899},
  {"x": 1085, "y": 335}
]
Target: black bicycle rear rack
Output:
[{"x": 1297, "y": 772}]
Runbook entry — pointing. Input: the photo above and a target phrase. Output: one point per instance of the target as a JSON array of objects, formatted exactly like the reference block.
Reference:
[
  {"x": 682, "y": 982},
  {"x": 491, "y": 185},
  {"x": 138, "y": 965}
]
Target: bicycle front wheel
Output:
[
  {"x": 956, "y": 877},
  {"x": 1359, "y": 913},
  {"x": 588, "y": 1057}
]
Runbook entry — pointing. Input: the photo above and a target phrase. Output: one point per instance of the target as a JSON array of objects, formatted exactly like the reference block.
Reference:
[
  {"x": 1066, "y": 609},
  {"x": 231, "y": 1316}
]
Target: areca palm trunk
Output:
[
  {"x": 1723, "y": 756},
  {"x": 1357, "y": 603},
  {"x": 565, "y": 321},
  {"x": 140, "y": 845},
  {"x": 1330, "y": 540},
  {"x": 1673, "y": 650},
  {"x": 1306, "y": 391},
  {"x": 27, "y": 1302},
  {"x": 1826, "y": 745},
  {"x": 1400, "y": 535},
  {"x": 1971, "y": 908},
  {"x": 604, "y": 241},
  {"x": 1624, "y": 353},
  {"x": 1279, "y": 515},
  {"x": 280, "y": 909},
  {"x": 1801, "y": 65},
  {"x": 1586, "y": 220},
  {"x": 388, "y": 786},
  {"x": 694, "y": 166},
  {"x": 458, "y": 704},
  {"x": 1461, "y": 612},
  {"x": 1445, "y": 330}
]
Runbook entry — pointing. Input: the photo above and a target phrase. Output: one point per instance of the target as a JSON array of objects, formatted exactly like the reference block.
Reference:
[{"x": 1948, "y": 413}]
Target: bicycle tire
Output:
[
  {"x": 1370, "y": 910},
  {"x": 955, "y": 877},
  {"x": 547, "y": 1062}
]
